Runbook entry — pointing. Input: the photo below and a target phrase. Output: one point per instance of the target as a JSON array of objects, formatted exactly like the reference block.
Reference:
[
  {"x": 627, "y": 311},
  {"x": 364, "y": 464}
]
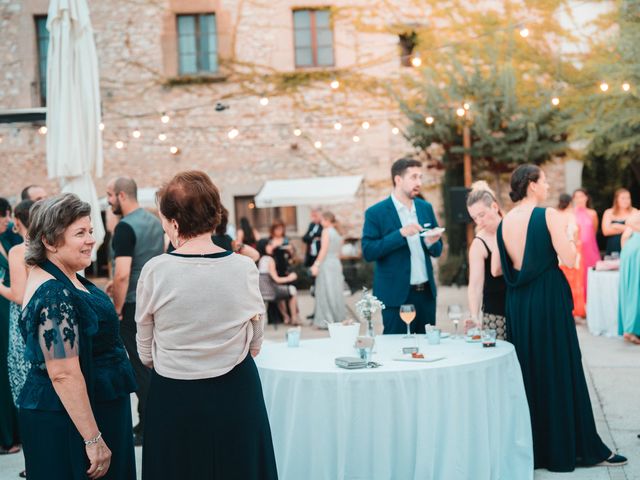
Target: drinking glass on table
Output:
[
  {"x": 454, "y": 312},
  {"x": 407, "y": 314}
]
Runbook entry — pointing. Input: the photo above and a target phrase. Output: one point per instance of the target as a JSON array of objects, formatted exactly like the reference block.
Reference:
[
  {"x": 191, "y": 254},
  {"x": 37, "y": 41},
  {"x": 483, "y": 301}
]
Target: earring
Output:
[{"x": 15, "y": 229}]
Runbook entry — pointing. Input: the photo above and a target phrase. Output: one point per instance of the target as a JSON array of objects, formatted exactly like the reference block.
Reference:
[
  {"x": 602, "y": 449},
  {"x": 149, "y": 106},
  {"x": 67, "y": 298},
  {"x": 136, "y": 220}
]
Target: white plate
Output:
[
  {"x": 432, "y": 232},
  {"x": 444, "y": 335},
  {"x": 409, "y": 358}
]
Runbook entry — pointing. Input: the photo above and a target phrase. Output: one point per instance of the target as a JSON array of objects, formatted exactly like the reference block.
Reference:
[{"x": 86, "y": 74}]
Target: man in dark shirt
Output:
[
  {"x": 312, "y": 240},
  {"x": 137, "y": 238}
]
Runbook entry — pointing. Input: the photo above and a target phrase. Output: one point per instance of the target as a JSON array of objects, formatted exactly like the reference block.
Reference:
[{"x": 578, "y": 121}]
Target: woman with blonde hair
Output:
[
  {"x": 614, "y": 219},
  {"x": 486, "y": 293}
]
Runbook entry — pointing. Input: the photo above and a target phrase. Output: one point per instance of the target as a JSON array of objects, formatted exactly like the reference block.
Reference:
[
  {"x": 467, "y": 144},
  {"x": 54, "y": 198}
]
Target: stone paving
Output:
[{"x": 612, "y": 368}]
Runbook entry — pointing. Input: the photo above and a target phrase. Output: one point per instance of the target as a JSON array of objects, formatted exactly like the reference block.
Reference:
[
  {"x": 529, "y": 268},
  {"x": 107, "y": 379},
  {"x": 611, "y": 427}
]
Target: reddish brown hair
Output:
[
  {"x": 618, "y": 192},
  {"x": 193, "y": 201},
  {"x": 277, "y": 223}
]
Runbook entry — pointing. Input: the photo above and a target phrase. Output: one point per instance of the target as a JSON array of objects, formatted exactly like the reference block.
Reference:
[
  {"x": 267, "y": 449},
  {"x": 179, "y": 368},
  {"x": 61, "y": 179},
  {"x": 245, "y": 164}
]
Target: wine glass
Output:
[
  {"x": 407, "y": 314},
  {"x": 454, "y": 312}
]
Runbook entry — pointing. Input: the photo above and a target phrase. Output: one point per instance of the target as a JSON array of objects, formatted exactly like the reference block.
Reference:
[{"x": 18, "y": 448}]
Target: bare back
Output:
[{"x": 514, "y": 233}]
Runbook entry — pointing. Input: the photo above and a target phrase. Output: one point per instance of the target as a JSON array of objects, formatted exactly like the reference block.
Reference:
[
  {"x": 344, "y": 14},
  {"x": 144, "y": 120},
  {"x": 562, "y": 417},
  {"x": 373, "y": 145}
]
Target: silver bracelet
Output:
[{"x": 94, "y": 440}]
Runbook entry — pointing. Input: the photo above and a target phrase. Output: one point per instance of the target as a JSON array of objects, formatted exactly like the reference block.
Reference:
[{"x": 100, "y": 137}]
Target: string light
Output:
[
  {"x": 264, "y": 101},
  {"x": 416, "y": 61},
  {"x": 555, "y": 101},
  {"x": 356, "y": 138},
  {"x": 162, "y": 137},
  {"x": 1, "y": 139},
  {"x": 42, "y": 130},
  {"x": 466, "y": 106},
  {"x": 604, "y": 86},
  {"x": 165, "y": 118},
  {"x": 335, "y": 84},
  {"x": 366, "y": 125},
  {"x": 233, "y": 133},
  {"x": 524, "y": 33},
  {"x": 174, "y": 150},
  {"x": 119, "y": 144},
  {"x": 429, "y": 120},
  {"x": 297, "y": 132},
  {"x": 337, "y": 126},
  {"x": 460, "y": 112},
  {"x": 136, "y": 133},
  {"x": 395, "y": 130},
  {"x": 317, "y": 144},
  {"x": 101, "y": 126},
  {"x": 626, "y": 87}
]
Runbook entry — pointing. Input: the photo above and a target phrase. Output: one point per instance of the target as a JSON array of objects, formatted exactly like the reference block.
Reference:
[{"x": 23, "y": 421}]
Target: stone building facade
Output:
[{"x": 254, "y": 116}]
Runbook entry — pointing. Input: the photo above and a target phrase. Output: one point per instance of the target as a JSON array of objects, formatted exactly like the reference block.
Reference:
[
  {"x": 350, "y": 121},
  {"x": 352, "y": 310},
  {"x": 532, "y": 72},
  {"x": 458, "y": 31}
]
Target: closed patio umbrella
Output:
[{"x": 74, "y": 141}]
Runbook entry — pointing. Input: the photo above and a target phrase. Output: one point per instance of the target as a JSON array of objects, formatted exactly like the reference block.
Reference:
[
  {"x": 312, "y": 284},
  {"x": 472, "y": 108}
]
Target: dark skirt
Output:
[
  {"x": 215, "y": 428},
  {"x": 54, "y": 449}
]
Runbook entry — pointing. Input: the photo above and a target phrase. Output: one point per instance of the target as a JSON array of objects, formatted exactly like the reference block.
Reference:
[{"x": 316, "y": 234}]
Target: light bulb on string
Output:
[
  {"x": 335, "y": 84},
  {"x": 317, "y": 144},
  {"x": 174, "y": 150},
  {"x": 101, "y": 126},
  {"x": 524, "y": 32},
  {"x": 136, "y": 133},
  {"x": 165, "y": 118},
  {"x": 264, "y": 101},
  {"x": 297, "y": 132},
  {"x": 466, "y": 106},
  {"x": 42, "y": 130},
  {"x": 604, "y": 86},
  {"x": 337, "y": 126},
  {"x": 119, "y": 144},
  {"x": 356, "y": 138},
  {"x": 416, "y": 61},
  {"x": 460, "y": 112},
  {"x": 162, "y": 137},
  {"x": 626, "y": 87},
  {"x": 429, "y": 120},
  {"x": 366, "y": 125},
  {"x": 1, "y": 139},
  {"x": 395, "y": 130},
  {"x": 555, "y": 101},
  {"x": 233, "y": 133}
]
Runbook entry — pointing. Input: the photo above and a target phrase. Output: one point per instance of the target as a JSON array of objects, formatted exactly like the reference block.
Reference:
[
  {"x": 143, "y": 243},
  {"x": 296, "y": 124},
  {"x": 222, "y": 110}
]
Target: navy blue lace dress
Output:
[{"x": 61, "y": 321}]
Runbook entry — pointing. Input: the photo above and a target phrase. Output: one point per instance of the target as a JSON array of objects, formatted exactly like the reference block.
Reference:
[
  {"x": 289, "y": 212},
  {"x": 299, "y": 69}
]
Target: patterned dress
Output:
[{"x": 18, "y": 365}]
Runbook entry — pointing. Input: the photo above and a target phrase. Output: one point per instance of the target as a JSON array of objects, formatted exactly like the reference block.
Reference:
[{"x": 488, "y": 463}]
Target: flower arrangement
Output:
[{"x": 368, "y": 305}]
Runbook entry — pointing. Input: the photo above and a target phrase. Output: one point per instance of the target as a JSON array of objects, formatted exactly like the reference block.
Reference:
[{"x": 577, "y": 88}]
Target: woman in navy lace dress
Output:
[{"x": 75, "y": 412}]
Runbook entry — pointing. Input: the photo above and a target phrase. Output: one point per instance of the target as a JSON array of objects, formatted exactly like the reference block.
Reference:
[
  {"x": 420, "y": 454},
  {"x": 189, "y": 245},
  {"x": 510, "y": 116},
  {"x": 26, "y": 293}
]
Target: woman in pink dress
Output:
[{"x": 587, "y": 221}]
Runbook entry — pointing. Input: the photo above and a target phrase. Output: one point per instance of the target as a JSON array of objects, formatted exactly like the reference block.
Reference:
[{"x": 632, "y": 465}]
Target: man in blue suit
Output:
[{"x": 391, "y": 238}]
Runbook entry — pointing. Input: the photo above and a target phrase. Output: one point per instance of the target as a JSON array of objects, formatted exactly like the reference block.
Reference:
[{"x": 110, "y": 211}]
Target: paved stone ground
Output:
[{"x": 612, "y": 368}]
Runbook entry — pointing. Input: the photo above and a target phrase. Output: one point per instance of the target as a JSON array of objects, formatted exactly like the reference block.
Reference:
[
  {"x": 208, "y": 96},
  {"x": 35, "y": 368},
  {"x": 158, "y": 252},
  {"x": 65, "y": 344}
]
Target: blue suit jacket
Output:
[{"x": 382, "y": 243}]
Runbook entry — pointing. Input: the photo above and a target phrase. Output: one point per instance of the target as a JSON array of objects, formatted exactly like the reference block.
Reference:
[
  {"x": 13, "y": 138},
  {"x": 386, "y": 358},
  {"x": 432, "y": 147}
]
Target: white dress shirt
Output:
[{"x": 418, "y": 260}]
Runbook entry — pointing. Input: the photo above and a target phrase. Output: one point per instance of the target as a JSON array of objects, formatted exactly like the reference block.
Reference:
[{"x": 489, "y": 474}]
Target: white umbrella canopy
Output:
[{"x": 74, "y": 140}]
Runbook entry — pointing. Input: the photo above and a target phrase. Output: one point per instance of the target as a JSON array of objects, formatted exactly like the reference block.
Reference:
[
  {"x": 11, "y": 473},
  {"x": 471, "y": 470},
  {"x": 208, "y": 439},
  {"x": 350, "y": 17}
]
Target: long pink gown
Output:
[{"x": 590, "y": 254}]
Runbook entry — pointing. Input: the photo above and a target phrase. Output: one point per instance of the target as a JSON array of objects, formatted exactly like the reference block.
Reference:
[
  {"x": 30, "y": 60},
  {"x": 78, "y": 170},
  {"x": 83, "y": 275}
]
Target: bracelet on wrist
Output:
[{"x": 94, "y": 440}]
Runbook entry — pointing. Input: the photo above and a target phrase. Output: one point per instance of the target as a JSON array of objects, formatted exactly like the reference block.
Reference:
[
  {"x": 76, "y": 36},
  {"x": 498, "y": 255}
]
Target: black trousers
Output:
[
  {"x": 142, "y": 373},
  {"x": 425, "y": 304}
]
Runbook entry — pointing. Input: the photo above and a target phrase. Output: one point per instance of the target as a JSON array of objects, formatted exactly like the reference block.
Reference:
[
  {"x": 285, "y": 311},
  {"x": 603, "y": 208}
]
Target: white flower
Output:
[{"x": 368, "y": 305}]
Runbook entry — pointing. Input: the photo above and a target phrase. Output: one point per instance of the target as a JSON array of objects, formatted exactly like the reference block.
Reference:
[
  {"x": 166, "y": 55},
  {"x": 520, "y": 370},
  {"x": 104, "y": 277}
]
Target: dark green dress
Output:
[{"x": 541, "y": 327}]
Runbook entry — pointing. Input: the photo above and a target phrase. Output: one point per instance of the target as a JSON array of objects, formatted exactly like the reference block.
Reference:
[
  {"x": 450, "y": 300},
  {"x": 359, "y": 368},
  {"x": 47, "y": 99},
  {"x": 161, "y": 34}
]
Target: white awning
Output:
[{"x": 308, "y": 191}]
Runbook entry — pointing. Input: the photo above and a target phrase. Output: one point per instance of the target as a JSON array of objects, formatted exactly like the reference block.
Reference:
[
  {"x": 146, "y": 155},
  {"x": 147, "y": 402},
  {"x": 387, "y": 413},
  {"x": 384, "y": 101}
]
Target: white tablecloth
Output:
[
  {"x": 464, "y": 417},
  {"x": 602, "y": 302}
]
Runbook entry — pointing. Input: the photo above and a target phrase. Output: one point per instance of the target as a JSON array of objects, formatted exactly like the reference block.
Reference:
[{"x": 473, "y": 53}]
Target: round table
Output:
[
  {"x": 465, "y": 416},
  {"x": 602, "y": 302}
]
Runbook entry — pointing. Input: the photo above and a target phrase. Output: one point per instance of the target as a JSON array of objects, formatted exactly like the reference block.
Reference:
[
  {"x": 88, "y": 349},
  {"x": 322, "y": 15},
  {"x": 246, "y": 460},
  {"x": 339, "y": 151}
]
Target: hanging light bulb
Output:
[
  {"x": 429, "y": 120},
  {"x": 366, "y": 125},
  {"x": 626, "y": 87},
  {"x": 416, "y": 61},
  {"x": 356, "y": 138},
  {"x": 165, "y": 118},
  {"x": 604, "y": 86},
  {"x": 395, "y": 130},
  {"x": 335, "y": 84},
  {"x": 101, "y": 126},
  {"x": 136, "y": 133},
  {"x": 524, "y": 33},
  {"x": 233, "y": 133},
  {"x": 162, "y": 137},
  {"x": 337, "y": 126},
  {"x": 466, "y": 106},
  {"x": 555, "y": 101},
  {"x": 1, "y": 139},
  {"x": 317, "y": 144},
  {"x": 460, "y": 112},
  {"x": 297, "y": 132},
  {"x": 264, "y": 101},
  {"x": 42, "y": 130},
  {"x": 119, "y": 144},
  {"x": 174, "y": 150}
]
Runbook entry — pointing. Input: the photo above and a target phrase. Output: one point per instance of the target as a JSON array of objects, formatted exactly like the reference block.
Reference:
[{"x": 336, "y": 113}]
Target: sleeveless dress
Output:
[
  {"x": 589, "y": 251},
  {"x": 540, "y": 326},
  {"x": 330, "y": 305},
  {"x": 61, "y": 321},
  {"x": 494, "y": 293},
  {"x": 613, "y": 241},
  {"x": 629, "y": 298},
  {"x": 18, "y": 365}
]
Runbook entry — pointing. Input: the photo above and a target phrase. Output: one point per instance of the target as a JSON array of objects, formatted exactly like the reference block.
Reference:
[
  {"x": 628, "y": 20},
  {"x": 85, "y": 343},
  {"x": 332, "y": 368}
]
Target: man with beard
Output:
[
  {"x": 391, "y": 238},
  {"x": 137, "y": 238}
]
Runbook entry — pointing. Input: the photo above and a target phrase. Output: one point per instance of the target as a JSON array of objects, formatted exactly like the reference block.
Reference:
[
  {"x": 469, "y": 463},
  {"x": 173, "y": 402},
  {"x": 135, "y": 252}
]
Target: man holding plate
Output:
[{"x": 401, "y": 235}]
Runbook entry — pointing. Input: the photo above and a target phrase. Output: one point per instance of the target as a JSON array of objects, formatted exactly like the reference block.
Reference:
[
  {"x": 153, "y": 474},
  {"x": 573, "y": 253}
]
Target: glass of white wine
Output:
[
  {"x": 454, "y": 312},
  {"x": 407, "y": 314}
]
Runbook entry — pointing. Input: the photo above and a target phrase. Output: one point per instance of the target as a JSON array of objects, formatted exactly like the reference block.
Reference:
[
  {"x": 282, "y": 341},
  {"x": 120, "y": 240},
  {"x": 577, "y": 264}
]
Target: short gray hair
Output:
[{"x": 48, "y": 220}]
